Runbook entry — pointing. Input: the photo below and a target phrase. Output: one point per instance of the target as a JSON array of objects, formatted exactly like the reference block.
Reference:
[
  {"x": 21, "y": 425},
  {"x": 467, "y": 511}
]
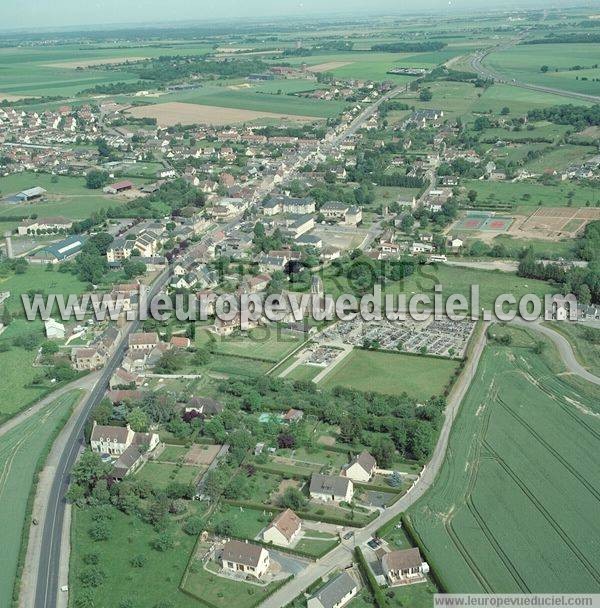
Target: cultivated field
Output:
[
  {"x": 172, "y": 113},
  {"x": 393, "y": 374},
  {"x": 512, "y": 508},
  {"x": 558, "y": 221},
  {"x": 20, "y": 450}
]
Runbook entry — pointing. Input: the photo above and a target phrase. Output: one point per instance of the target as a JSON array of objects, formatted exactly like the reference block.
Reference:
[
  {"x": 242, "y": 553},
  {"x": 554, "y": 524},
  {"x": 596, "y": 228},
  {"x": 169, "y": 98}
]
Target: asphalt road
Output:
[
  {"x": 564, "y": 348},
  {"x": 49, "y": 559}
]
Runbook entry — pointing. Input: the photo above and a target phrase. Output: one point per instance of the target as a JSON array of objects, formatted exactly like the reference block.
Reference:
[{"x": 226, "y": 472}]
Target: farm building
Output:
[
  {"x": 119, "y": 187},
  {"x": 60, "y": 252},
  {"x": 31, "y": 194},
  {"x": 284, "y": 529}
]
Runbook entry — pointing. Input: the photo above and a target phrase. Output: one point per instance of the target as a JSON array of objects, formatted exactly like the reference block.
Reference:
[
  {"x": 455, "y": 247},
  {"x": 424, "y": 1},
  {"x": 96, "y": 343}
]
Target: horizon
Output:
[{"x": 106, "y": 14}]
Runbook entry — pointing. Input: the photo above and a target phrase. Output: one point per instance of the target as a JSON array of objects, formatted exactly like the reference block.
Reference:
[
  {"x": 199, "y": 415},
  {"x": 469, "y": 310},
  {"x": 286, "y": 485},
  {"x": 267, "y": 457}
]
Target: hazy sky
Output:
[{"x": 56, "y": 13}]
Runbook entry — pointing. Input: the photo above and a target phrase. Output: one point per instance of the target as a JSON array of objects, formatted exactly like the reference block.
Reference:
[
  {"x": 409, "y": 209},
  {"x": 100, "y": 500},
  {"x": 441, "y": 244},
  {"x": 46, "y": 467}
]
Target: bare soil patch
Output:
[
  {"x": 326, "y": 67},
  {"x": 555, "y": 222},
  {"x": 172, "y": 113},
  {"x": 83, "y": 63},
  {"x": 201, "y": 455},
  {"x": 9, "y": 97}
]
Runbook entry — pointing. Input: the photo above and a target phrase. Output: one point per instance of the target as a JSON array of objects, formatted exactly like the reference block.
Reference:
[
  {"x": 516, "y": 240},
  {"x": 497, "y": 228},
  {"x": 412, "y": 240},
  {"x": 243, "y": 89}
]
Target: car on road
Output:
[{"x": 348, "y": 535}]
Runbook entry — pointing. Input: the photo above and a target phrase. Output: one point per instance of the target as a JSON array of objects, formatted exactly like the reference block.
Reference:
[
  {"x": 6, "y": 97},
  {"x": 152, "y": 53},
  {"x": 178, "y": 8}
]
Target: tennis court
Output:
[{"x": 483, "y": 222}]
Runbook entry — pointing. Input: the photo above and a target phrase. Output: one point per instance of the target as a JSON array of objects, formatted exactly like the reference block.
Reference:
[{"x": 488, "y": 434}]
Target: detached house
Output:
[
  {"x": 335, "y": 593},
  {"x": 406, "y": 566},
  {"x": 284, "y": 529},
  {"x": 237, "y": 556},
  {"x": 361, "y": 469},
  {"x": 328, "y": 488}
]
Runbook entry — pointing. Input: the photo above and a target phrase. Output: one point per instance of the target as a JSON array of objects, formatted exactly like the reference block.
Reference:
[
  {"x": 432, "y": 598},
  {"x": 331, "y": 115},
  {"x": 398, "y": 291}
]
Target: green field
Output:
[
  {"x": 523, "y": 63},
  {"x": 453, "y": 279},
  {"x": 20, "y": 451},
  {"x": 512, "y": 508},
  {"x": 542, "y": 249},
  {"x": 157, "y": 581},
  {"x": 250, "y": 99},
  {"x": 393, "y": 374},
  {"x": 161, "y": 474},
  {"x": 527, "y": 196},
  {"x": 263, "y": 343}
]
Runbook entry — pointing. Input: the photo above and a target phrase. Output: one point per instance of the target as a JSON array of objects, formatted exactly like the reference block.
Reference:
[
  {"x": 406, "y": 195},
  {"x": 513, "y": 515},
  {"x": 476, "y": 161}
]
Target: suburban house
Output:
[
  {"x": 205, "y": 406},
  {"x": 405, "y": 566},
  {"x": 335, "y": 593},
  {"x": 284, "y": 529},
  {"x": 293, "y": 415},
  {"x": 331, "y": 488},
  {"x": 237, "y": 556},
  {"x": 361, "y": 469},
  {"x": 129, "y": 446}
]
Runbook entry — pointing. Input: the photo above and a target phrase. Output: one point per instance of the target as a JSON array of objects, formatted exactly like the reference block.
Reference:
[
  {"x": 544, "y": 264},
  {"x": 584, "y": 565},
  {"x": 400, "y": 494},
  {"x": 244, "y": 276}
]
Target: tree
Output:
[
  {"x": 133, "y": 268},
  {"x": 472, "y": 195},
  {"x": 163, "y": 542},
  {"x": 138, "y": 420},
  {"x": 89, "y": 469},
  {"x": 544, "y": 68},
  {"x": 193, "y": 525},
  {"x": 92, "y": 576},
  {"x": 292, "y": 498},
  {"x": 286, "y": 441},
  {"x": 505, "y": 111},
  {"x": 383, "y": 452},
  {"x": 99, "y": 531},
  {"x": 425, "y": 95},
  {"x": 96, "y": 179}
]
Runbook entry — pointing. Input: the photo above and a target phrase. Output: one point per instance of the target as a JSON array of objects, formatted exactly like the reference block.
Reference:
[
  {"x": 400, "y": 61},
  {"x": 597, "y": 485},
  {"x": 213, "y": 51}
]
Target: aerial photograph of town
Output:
[{"x": 299, "y": 304}]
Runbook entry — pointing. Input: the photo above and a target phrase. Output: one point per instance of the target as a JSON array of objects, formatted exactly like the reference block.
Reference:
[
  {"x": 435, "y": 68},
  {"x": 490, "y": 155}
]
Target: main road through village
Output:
[{"x": 49, "y": 559}]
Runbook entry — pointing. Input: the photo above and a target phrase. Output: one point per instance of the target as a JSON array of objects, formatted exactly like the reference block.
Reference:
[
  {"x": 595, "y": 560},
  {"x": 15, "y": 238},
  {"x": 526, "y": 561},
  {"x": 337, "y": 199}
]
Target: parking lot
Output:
[{"x": 445, "y": 338}]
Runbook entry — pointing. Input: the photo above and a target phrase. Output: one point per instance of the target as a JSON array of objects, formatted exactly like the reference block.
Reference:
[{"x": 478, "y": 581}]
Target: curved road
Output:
[
  {"x": 342, "y": 555},
  {"x": 487, "y": 72},
  {"x": 564, "y": 348}
]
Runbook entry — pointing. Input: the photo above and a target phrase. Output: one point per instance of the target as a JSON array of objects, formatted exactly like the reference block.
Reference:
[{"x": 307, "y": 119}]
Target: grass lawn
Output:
[
  {"x": 393, "y": 374},
  {"x": 20, "y": 450},
  {"x": 223, "y": 592},
  {"x": 161, "y": 474},
  {"x": 319, "y": 455},
  {"x": 453, "y": 280},
  {"x": 413, "y": 596},
  {"x": 159, "y": 578},
  {"x": 172, "y": 453},
  {"x": 41, "y": 281},
  {"x": 316, "y": 548},
  {"x": 258, "y": 343},
  {"x": 510, "y": 509},
  {"x": 247, "y": 523},
  {"x": 304, "y": 372},
  {"x": 543, "y": 249},
  {"x": 531, "y": 195},
  {"x": 263, "y": 486}
]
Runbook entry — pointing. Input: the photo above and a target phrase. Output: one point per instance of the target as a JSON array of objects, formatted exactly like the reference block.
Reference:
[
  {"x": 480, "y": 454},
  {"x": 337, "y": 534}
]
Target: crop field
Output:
[
  {"x": 173, "y": 113},
  {"x": 20, "y": 450},
  {"x": 393, "y": 374},
  {"x": 560, "y": 221},
  {"x": 512, "y": 508},
  {"x": 250, "y": 100},
  {"x": 523, "y": 63}
]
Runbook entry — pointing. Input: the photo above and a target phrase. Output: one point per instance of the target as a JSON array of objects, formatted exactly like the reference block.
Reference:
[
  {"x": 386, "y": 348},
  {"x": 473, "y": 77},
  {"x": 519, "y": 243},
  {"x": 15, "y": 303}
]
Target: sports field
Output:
[
  {"x": 392, "y": 374},
  {"x": 484, "y": 223},
  {"x": 20, "y": 450},
  {"x": 514, "y": 506}
]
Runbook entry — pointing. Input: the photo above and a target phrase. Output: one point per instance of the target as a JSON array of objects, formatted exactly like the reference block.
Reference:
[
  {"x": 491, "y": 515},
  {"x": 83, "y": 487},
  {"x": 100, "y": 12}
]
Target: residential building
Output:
[
  {"x": 44, "y": 225},
  {"x": 361, "y": 469},
  {"x": 335, "y": 593},
  {"x": 237, "y": 556},
  {"x": 284, "y": 530},
  {"x": 143, "y": 341},
  {"x": 54, "y": 330},
  {"x": 331, "y": 488},
  {"x": 405, "y": 566}
]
